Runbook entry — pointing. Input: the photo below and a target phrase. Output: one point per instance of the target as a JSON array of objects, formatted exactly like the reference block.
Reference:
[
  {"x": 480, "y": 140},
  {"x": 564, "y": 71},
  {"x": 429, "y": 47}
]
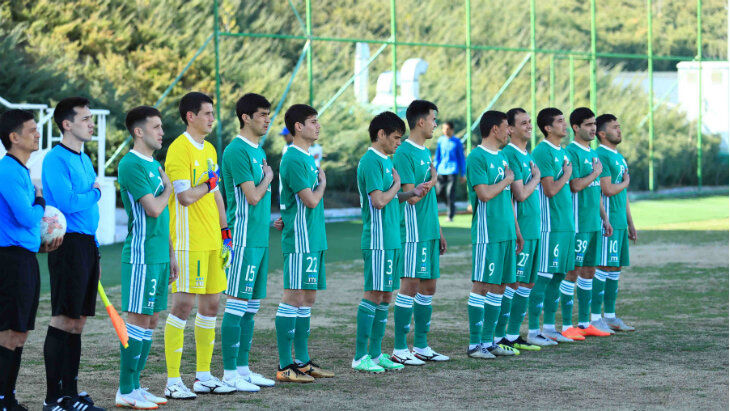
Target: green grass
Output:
[{"x": 692, "y": 214}]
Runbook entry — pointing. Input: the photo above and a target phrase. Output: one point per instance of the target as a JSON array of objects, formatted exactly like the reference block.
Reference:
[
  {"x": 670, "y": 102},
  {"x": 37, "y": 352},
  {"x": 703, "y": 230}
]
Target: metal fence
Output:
[{"x": 309, "y": 40}]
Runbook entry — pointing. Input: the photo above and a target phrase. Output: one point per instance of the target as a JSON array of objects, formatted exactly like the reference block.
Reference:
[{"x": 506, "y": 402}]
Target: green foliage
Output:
[{"x": 125, "y": 53}]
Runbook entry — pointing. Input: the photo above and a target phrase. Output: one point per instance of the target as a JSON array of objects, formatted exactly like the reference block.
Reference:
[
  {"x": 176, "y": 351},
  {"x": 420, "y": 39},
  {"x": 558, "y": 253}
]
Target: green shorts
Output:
[
  {"x": 494, "y": 263},
  {"x": 588, "y": 249},
  {"x": 557, "y": 252},
  {"x": 398, "y": 261},
  {"x": 304, "y": 271},
  {"x": 421, "y": 260},
  {"x": 527, "y": 261},
  {"x": 144, "y": 287},
  {"x": 615, "y": 249},
  {"x": 247, "y": 274},
  {"x": 379, "y": 269}
]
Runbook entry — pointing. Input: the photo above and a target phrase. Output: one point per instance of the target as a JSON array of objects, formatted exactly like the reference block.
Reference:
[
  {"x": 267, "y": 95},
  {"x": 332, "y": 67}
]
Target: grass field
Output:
[{"x": 675, "y": 293}]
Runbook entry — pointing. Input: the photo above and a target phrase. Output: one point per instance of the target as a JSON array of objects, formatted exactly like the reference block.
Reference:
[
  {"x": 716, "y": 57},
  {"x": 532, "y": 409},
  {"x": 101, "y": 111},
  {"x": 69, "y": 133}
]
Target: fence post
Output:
[
  {"x": 650, "y": 62},
  {"x": 467, "y": 5},
  {"x": 533, "y": 74},
  {"x": 218, "y": 126}
]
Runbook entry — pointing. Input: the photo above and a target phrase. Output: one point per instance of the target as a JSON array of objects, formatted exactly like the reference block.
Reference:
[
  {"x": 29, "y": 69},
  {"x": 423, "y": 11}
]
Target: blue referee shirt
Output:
[
  {"x": 68, "y": 180},
  {"x": 20, "y": 213},
  {"x": 450, "y": 157}
]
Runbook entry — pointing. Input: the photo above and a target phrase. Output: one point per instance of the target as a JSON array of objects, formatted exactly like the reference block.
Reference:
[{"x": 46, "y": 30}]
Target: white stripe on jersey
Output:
[
  {"x": 240, "y": 227},
  {"x": 139, "y": 231},
  {"x": 482, "y": 228},
  {"x": 376, "y": 226},
  {"x": 575, "y": 211},
  {"x": 301, "y": 236},
  {"x": 411, "y": 221},
  {"x": 544, "y": 210}
]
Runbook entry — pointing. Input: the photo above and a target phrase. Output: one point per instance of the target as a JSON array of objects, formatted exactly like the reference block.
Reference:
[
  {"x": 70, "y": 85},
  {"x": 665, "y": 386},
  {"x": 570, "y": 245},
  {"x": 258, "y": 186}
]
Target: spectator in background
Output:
[
  {"x": 315, "y": 150},
  {"x": 288, "y": 139},
  {"x": 450, "y": 164}
]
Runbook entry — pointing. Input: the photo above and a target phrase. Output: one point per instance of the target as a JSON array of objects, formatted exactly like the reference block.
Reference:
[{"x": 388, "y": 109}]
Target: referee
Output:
[
  {"x": 69, "y": 184},
  {"x": 21, "y": 210}
]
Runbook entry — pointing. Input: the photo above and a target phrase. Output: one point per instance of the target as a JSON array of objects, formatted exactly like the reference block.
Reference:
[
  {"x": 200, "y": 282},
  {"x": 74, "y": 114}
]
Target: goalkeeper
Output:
[{"x": 197, "y": 224}]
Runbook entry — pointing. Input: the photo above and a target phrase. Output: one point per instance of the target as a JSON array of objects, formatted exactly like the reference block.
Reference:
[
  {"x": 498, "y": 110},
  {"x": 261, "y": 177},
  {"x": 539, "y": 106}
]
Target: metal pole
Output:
[
  {"x": 467, "y": 5},
  {"x": 593, "y": 55},
  {"x": 533, "y": 74},
  {"x": 699, "y": 94},
  {"x": 552, "y": 80},
  {"x": 571, "y": 90},
  {"x": 309, "y": 53},
  {"x": 650, "y": 62},
  {"x": 218, "y": 126},
  {"x": 394, "y": 56}
]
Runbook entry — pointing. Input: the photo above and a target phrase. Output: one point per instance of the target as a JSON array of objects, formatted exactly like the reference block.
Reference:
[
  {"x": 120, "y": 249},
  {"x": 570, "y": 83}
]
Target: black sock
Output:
[
  {"x": 70, "y": 374},
  {"x": 54, "y": 351},
  {"x": 7, "y": 365},
  {"x": 10, "y": 391}
]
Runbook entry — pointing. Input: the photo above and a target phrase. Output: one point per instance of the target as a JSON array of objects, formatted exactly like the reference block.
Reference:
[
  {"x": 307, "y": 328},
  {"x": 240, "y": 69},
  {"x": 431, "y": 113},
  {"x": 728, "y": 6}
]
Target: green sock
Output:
[
  {"x": 585, "y": 289},
  {"x": 231, "y": 331},
  {"x": 246, "y": 335},
  {"x": 378, "y": 332},
  {"x": 129, "y": 358},
  {"x": 402, "y": 315},
  {"x": 552, "y": 296},
  {"x": 301, "y": 335},
  {"x": 537, "y": 298},
  {"x": 286, "y": 320},
  {"x": 146, "y": 345},
  {"x": 421, "y": 319},
  {"x": 609, "y": 297},
  {"x": 492, "y": 307},
  {"x": 365, "y": 317},
  {"x": 567, "y": 290},
  {"x": 519, "y": 307},
  {"x": 599, "y": 283},
  {"x": 504, "y": 313},
  {"x": 475, "y": 308}
]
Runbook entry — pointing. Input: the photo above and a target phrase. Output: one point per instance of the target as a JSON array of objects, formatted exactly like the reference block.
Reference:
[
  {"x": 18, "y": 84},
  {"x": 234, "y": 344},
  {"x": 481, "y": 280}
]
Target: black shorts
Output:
[
  {"x": 74, "y": 271},
  {"x": 20, "y": 286}
]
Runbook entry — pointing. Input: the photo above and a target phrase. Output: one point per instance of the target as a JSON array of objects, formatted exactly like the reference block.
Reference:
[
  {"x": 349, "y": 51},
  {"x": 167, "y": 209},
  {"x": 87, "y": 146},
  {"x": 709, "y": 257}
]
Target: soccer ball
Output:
[{"x": 53, "y": 224}]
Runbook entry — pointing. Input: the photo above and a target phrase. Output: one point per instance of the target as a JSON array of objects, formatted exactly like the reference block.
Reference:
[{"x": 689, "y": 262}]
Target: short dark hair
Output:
[
  {"x": 418, "y": 109},
  {"x": 249, "y": 104},
  {"x": 450, "y": 124},
  {"x": 386, "y": 121},
  {"x": 11, "y": 121},
  {"x": 298, "y": 113},
  {"x": 545, "y": 118},
  {"x": 192, "y": 102},
  {"x": 490, "y": 119},
  {"x": 138, "y": 115},
  {"x": 512, "y": 113},
  {"x": 65, "y": 110},
  {"x": 579, "y": 115},
  {"x": 603, "y": 120}
]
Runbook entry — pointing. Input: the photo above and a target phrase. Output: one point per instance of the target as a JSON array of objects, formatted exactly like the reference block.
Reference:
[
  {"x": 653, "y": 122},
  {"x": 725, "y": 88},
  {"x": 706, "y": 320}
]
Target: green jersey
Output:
[
  {"x": 528, "y": 211},
  {"x": 244, "y": 161},
  {"x": 614, "y": 165},
  {"x": 303, "y": 226},
  {"x": 375, "y": 172},
  {"x": 421, "y": 220},
  {"x": 586, "y": 203},
  {"x": 494, "y": 220},
  {"x": 556, "y": 213},
  {"x": 148, "y": 238}
]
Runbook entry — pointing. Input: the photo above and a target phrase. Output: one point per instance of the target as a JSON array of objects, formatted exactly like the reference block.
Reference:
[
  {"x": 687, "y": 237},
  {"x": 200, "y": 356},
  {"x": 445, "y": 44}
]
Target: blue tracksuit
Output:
[
  {"x": 68, "y": 180},
  {"x": 20, "y": 213}
]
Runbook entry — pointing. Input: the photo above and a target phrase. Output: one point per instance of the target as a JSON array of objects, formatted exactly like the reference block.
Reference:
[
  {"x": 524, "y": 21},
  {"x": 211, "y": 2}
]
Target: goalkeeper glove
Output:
[{"x": 227, "y": 249}]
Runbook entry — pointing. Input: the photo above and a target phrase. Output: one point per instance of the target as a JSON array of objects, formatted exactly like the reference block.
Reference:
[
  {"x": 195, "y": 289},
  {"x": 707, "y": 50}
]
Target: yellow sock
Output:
[
  {"x": 174, "y": 337},
  {"x": 204, "y": 341}
]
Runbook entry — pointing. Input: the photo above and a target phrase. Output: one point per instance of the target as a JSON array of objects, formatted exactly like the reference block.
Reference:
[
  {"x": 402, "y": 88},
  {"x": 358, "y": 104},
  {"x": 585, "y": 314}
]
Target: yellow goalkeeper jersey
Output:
[{"x": 197, "y": 226}]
